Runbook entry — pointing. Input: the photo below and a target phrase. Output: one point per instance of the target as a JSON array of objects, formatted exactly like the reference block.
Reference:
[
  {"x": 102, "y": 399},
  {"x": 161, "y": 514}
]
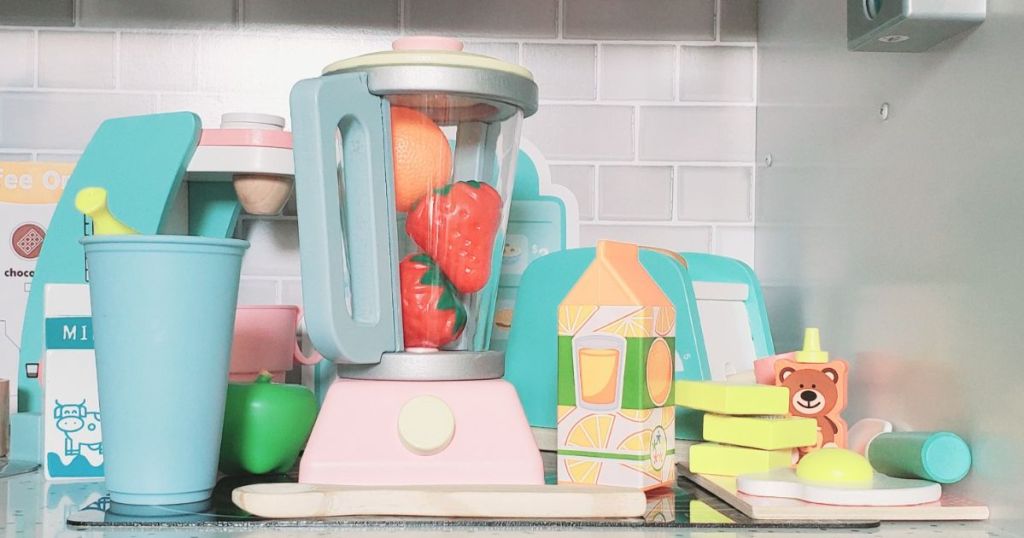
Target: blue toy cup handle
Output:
[{"x": 349, "y": 248}]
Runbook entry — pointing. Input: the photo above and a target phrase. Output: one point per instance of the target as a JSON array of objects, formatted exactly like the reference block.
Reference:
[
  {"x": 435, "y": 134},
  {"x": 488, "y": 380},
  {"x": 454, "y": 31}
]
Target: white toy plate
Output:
[{"x": 885, "y": 491}]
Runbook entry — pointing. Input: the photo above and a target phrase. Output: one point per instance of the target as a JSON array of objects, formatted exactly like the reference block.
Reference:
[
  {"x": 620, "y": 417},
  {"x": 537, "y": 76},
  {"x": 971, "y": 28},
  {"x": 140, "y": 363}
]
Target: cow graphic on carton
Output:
[{"x": 80, "y": 427}]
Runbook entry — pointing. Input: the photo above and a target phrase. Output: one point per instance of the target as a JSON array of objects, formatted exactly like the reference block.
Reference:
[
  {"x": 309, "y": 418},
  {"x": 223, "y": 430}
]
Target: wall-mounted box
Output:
[{"x": 908, "y": 25}]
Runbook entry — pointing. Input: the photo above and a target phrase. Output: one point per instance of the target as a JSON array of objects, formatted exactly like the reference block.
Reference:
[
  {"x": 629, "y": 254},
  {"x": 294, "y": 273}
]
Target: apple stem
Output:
[{"x": 264, "y": 377}]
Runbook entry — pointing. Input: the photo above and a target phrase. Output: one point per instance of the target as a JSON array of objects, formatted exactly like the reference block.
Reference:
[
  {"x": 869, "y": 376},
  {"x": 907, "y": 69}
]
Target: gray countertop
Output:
[{"x": 30, "y": 506}]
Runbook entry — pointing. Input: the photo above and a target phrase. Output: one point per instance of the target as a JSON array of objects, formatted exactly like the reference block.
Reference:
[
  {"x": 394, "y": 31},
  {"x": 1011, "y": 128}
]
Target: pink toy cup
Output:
[{"x": 265, "y": 340}]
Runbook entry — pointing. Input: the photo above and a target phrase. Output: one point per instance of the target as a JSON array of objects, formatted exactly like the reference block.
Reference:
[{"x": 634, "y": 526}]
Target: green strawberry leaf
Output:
[
  {"x": 448, "y": 301},
  {"x": 443, "y": 191}
]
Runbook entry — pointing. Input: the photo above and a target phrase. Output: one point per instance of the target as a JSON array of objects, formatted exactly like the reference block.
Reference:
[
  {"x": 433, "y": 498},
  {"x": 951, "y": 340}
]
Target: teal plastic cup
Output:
[{"x": 163, "y": 313}]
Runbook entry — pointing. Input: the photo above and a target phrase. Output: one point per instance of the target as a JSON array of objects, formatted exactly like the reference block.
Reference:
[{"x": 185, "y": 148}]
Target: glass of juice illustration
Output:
[{"x": 599, "y": 363}]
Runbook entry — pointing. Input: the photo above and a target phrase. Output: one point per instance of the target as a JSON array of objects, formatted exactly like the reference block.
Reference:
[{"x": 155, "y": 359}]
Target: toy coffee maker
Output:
[{"x": 401, "y": 233}]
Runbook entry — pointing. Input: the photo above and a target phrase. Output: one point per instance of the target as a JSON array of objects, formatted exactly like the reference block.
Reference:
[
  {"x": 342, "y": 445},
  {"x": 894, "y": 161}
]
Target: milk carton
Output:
[
  {"x": 28, "y": 194},
  {"x": 616, "y": 344},
  {"x": 72, "y": 433}
]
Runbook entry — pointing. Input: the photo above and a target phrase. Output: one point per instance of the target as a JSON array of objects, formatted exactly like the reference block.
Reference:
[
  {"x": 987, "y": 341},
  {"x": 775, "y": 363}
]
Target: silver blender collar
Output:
[{"x": 462, "y": 93}]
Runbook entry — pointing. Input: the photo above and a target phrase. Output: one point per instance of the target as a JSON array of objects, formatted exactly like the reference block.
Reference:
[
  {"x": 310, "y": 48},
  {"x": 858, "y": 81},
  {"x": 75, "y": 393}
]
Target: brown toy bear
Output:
[{"x": 818, "y": 391}]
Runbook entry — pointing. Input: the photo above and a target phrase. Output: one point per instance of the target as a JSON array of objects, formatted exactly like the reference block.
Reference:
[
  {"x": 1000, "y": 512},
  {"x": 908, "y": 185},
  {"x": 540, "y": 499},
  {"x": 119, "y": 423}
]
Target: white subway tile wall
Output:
[
  {"x": 647, "y": 106},
  {"x": 77, "y": 59},
  {"x": 579, "y": 179},
  {"x": 563, "y": 71},
  {"x": 634, "y": 193},
  {"x": 18, "y": 60}
]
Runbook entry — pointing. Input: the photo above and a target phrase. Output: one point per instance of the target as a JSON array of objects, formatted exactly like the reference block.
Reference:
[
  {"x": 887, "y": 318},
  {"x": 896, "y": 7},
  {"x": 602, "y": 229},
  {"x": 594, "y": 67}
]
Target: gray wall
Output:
[
  {"x": 902, "y": 239},
  {"x": 647, "y": 106}
]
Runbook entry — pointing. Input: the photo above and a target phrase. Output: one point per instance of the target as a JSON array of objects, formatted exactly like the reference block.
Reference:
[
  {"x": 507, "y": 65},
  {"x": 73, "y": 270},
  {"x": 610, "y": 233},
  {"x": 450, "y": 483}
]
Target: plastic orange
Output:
[
  {"x": 659, "y": 372},
  {"x": 421, "y": 156}
]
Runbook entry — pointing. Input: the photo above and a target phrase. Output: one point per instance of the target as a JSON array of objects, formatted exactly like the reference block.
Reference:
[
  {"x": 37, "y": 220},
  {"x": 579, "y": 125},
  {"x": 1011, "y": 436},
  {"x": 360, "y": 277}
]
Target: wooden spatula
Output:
[{"x": 289, "y": 500}]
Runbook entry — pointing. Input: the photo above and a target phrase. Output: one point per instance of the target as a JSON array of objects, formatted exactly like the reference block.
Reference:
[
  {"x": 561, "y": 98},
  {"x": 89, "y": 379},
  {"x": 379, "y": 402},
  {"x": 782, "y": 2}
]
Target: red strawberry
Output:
[
  {"x": 431, "y": 314},
  {"x": 456, "y": 225}
]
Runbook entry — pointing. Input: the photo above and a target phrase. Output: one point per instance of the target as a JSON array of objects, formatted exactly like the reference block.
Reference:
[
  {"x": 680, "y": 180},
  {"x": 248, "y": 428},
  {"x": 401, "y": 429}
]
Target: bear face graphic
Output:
[{"x": 813, "y": 393}]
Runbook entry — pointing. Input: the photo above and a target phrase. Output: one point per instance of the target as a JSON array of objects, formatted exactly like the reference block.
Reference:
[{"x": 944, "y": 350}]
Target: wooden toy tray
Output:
[{"x": 685, "y": 506}]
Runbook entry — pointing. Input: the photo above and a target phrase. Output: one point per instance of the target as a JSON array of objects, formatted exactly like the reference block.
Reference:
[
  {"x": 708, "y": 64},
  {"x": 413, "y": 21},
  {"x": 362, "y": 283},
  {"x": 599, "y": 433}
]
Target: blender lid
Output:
[{"x": 430, "y": 64}]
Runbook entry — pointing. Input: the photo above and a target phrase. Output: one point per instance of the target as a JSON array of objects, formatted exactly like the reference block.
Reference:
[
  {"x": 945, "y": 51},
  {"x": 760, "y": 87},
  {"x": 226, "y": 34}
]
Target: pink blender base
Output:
[{"x": 356, "y": 439}]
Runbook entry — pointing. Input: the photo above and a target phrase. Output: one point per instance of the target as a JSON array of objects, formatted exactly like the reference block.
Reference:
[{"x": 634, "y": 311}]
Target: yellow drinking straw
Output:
[{"x": 92, "y": 201}]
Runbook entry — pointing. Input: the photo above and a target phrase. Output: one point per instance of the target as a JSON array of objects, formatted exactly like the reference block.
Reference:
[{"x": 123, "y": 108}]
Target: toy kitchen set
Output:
[{"x": 466, "y": 363}]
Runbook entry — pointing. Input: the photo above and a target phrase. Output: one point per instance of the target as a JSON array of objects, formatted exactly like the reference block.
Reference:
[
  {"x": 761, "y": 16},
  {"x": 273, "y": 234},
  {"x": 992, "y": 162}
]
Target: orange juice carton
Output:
[
  {"x": 28, "y": 195},
  {"x": 616, "y": 344}
]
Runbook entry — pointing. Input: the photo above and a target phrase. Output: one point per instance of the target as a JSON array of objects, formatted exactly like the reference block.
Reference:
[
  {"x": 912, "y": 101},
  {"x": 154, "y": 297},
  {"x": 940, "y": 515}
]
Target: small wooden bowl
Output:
[{"x": 262, "y": 194}]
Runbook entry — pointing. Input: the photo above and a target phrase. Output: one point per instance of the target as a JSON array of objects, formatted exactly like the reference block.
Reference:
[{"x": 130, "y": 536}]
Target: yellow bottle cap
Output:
[{"x": 812, "y": 348}]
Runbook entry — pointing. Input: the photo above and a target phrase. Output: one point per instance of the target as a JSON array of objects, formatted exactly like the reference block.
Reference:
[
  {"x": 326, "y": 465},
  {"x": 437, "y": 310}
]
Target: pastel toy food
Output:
[
  {"x": 92, "y": 201},
  {"x": 939, "y": 456},
  {"x": 456, "y": 226},
  {"x": 265, "y": 426},
  {"x": 431, "y": 313},
  {"x": 421, "y": 156},
  {"x": 835, "y": 466}
]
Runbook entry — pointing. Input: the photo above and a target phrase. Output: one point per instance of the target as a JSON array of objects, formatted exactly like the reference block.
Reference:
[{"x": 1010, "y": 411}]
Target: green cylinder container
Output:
[{"x": 941, "y": 457}]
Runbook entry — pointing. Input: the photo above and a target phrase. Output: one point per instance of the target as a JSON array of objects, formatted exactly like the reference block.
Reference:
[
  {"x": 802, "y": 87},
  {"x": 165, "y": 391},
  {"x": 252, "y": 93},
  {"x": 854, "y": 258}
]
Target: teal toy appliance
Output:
[
  {"x": 164, "y": 174},
  {"x": 400, "y": 263},
  {"x": 721, "y": 324},
  {"x": 544, "y": 218}
]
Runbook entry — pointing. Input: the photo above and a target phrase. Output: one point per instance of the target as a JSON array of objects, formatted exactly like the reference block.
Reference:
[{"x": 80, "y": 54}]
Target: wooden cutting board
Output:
[{"x": 290, "y": 500}]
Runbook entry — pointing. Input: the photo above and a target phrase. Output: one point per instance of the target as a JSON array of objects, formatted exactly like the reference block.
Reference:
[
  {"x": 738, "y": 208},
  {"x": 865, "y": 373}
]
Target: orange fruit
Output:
[
  {"x": 659, "y": 372},
  {"x": 420, "y": 154},
  {"x": 636, "y": 415},
  {"x": 665, "y": 321},
  {"x": 635, "y": 324},
  {"x": 591, "y": 431},
  {"x": 582, "y": 471}
]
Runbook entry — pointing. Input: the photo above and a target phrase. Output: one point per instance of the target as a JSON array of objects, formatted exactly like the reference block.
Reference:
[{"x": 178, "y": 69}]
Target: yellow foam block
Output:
[
  {"x": 766, "y": 433},
  {"x": 713, "y": 458},
  {"x": 730, "y": 399},
  {"x": 701, "y": 512}
]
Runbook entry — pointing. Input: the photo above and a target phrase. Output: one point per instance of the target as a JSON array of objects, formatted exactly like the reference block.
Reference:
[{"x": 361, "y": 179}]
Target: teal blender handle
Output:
[{"x": 358, "y": 237}]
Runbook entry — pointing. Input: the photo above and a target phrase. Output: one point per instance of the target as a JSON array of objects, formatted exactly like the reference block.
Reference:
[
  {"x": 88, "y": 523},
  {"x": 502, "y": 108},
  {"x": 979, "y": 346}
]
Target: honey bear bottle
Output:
[{"x": 817, "y": 389}]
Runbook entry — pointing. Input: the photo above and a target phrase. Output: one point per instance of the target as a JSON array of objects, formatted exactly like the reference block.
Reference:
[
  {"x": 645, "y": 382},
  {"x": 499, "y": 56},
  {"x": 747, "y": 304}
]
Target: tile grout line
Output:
[
  {"x": 636, "y": 133},
  {"x": 677, "y": 70},
  {"x": 328, "y": 35},
  {"x": 117, "y": 61},
  {"x": 677, "y": 188},
  {"x": 401, "y": 17},
  {"x": 718, "y": 21},
  {"x": 650, "y": 163},
  {"x": 649, "y": 103},
  {"x": 560, "y": 19},
  {"x": 35, "y": 61},
  {"x": 598, "y": 69},
  {"x": 754, "y": 173}
]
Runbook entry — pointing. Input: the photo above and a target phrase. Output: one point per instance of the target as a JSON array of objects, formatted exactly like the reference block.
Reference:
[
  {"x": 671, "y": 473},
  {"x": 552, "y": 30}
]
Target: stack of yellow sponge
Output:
[{"x": 748, "y": 426}]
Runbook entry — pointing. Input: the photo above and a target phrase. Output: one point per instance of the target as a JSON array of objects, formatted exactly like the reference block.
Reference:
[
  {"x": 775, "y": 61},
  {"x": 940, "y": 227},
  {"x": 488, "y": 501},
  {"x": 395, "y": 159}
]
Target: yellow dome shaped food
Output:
[{"x": 835, "y": 467}]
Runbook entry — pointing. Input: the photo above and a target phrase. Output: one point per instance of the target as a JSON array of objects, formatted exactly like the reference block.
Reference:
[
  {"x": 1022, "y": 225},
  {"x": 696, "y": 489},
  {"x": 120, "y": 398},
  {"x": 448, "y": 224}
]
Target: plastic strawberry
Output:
[
  {"x": 456, "y": 225},
  {"x": 431, "y": 313}
]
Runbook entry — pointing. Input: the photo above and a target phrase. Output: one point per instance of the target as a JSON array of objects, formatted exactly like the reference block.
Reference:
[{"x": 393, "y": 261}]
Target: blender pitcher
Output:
[{"x": 401, "y": 234}]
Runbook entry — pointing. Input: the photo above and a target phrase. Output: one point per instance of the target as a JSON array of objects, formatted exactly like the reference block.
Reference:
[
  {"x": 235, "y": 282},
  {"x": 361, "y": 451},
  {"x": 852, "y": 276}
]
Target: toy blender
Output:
[{"x": 401, "y": 234}]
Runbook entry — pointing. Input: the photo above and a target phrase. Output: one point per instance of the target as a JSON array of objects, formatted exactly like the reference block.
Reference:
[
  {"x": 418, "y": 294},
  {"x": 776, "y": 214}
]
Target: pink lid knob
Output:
[{"x": 427, "y": 42}]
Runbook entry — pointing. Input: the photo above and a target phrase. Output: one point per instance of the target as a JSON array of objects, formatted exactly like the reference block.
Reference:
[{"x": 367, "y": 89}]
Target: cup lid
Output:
[{"x": 427, "y": 50}]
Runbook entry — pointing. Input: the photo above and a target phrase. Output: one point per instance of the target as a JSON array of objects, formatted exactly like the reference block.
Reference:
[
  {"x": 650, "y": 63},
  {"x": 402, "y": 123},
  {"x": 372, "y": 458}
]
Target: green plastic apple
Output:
[{"x": 265, "y": 426}]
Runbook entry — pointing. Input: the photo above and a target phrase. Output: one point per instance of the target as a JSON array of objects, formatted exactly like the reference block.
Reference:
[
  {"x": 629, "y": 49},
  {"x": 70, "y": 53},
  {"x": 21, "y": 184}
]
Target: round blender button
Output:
[{"x": 426, "y": 425}]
